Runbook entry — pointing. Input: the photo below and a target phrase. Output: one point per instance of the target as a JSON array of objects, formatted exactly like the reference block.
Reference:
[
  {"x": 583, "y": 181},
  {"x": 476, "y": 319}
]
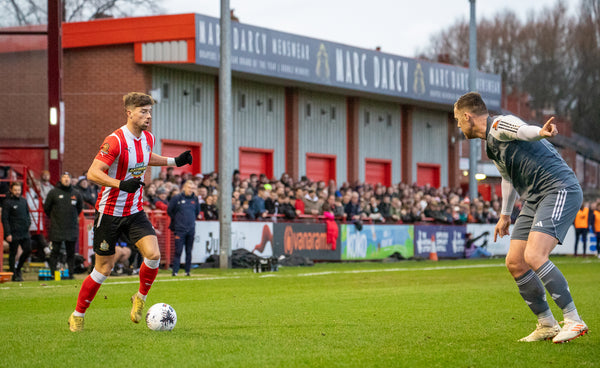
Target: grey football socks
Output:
[
  {"x": 533, "y": 292},
  {"x": 557, "y": 286}
]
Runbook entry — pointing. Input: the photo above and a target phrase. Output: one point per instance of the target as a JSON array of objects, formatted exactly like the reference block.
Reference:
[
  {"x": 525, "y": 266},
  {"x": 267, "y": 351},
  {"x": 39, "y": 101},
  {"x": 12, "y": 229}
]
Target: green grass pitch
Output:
[{"x": 407, "y": 314}]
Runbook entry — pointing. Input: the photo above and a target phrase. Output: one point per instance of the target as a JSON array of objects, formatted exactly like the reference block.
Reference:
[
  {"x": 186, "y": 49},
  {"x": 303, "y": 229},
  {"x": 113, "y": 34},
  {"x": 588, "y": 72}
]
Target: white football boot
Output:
[
  {"x": 542, "y": 333},
  {"x": 570, "y": 330}
]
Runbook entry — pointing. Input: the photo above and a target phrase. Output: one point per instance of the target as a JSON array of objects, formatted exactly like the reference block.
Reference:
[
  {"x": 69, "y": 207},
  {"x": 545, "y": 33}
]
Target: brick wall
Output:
[
  {"x": 23, "y": 98},
  {"x": 95, "y": 80}
]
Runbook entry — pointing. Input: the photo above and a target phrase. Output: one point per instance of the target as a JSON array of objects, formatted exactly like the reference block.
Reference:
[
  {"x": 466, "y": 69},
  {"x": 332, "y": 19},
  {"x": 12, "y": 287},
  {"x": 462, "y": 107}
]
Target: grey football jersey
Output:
[{"x": 533, "y": 167}]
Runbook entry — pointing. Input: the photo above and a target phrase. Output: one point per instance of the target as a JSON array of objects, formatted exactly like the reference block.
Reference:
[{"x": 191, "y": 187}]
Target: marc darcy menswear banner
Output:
[{"x": 257, "y": 50}]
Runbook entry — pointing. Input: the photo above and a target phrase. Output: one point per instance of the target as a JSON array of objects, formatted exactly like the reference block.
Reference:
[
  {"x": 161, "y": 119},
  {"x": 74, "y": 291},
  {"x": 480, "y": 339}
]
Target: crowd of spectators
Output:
[{"x": 259, "y": 197}]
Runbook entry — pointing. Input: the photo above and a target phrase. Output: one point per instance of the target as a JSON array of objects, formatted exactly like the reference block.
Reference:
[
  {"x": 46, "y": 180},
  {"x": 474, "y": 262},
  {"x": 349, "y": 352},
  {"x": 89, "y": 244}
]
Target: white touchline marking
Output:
[{"x": 309, "y": 274}]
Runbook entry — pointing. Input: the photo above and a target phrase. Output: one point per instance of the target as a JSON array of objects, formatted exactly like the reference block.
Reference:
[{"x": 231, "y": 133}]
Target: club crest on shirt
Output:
[
  {"x": 104, "y": 245},
  {"x": 104, "y": 149},
  {"x": 138, "y": 170}
]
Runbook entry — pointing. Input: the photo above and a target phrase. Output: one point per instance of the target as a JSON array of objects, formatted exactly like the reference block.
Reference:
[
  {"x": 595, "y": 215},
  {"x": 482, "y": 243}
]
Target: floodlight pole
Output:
[
  {"x": 474, "y": 144},
  {"x": 225, "y": 132},
  {"x": 55, "y": 113}
]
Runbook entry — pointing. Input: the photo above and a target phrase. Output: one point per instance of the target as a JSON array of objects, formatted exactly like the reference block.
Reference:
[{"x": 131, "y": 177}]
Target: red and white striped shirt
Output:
[{"x": 128, "y": 157}]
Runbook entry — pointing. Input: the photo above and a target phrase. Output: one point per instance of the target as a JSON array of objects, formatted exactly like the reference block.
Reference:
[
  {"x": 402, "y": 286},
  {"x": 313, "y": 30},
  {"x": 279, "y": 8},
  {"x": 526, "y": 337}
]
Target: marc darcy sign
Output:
[{"x": 271, "y": 53}]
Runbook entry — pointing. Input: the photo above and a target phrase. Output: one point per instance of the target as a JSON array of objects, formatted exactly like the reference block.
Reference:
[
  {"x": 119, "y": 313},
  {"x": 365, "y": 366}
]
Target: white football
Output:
[{"x": 161, "y": 317}]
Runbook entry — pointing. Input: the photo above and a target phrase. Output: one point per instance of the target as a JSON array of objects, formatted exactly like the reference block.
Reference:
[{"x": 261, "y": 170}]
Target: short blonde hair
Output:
[
  {"x": 137, "y": 99},
  {"x": 472, "y": 102}
]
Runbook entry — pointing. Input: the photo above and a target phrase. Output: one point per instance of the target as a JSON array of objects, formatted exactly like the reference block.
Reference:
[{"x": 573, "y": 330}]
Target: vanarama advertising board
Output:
[{"x": 307, "y": 240}]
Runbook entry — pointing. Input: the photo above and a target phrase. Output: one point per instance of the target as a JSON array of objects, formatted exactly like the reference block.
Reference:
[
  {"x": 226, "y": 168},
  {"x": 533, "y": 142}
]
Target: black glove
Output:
[
  {"x": 131, "y": 185},
  {"x": 183, "y": 159}
]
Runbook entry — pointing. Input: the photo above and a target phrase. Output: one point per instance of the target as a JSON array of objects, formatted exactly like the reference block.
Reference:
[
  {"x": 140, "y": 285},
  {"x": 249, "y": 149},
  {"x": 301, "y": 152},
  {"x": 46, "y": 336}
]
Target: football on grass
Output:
[{"x": 161, "y": 317}]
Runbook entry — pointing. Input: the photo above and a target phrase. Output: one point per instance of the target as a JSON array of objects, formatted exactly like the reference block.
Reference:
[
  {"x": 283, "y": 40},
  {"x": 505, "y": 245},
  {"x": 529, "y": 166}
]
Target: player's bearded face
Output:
[
  {"x": 141, "y": 116},
  {"x": 465, "y": 123}
]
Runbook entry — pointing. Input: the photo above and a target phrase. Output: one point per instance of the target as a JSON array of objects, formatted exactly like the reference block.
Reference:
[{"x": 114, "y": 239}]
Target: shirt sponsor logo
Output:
[{"x": 138, "y": 170}]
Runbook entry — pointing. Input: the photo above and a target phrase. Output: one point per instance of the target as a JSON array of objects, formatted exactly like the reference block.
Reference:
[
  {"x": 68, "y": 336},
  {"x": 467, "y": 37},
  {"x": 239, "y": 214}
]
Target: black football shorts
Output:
[{"x": 108, "y": 229}]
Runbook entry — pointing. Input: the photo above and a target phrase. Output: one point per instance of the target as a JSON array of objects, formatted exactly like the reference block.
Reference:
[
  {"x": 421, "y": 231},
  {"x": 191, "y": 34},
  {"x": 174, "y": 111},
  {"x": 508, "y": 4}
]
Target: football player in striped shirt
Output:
[
  {"x": 551, "y": 195},
  {"x": 119, "y": 167}
]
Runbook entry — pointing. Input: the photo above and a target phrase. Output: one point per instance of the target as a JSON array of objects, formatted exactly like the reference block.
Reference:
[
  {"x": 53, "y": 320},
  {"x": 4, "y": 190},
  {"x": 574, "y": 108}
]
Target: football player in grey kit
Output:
[{"x": 551, "y": 195}]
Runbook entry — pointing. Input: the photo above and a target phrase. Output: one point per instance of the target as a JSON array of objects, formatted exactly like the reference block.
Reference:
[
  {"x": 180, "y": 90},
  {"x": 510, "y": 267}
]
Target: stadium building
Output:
[{"x": 299, "y": 105}]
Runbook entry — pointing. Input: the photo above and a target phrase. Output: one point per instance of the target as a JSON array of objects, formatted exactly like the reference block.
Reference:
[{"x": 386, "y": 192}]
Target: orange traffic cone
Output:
[{"x": 433, "y": 251}]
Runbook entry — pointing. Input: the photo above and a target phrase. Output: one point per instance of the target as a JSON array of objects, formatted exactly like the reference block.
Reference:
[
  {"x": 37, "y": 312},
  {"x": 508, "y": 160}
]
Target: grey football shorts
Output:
[{"x": 552, "y": 214}]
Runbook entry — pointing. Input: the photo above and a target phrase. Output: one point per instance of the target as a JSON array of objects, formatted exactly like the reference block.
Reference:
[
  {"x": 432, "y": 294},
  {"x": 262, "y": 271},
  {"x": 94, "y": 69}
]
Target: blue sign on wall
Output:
[{"x": 276, "y": 54}]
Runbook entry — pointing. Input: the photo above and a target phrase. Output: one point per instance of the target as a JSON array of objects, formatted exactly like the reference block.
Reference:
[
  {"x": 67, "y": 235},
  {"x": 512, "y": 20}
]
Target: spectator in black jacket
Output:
[
  {"x": 87, "y": 192},
  {"x": 286, "y": 208},
  {"x": 209, "y": 209},
  {"x": 373, "y": 211},
  {"x": 272, "y": 202},
  {"x": 63, "y": 205},
  {"x": 385, "y": 207},
  {"x": 353, "y": 210},
  {"x": 183, "y": 210},
  {"x": 16, "y": 222}
]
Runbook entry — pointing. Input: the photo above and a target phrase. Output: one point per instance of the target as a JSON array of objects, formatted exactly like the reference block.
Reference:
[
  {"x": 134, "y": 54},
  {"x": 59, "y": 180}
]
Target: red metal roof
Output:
[
  {"x": 106, "y": 32},
  {"x": 129, "y": 30}
]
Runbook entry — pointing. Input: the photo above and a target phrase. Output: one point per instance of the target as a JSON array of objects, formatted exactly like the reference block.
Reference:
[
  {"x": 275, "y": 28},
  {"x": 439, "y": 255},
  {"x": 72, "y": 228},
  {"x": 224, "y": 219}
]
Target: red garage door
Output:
[
  {"x": 171, "y": 148},
  {"x": 320, "y": 167},
  {"x": 256, "y": 161},
  {"x": 486, "y": 191},
  {"x": 428, "y": 174},
  {"x": 378, "y": 171}
]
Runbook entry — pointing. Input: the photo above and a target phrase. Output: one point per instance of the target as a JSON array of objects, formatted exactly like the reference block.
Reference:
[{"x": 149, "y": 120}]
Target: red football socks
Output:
[
  {"x": 147, "y": 276},
  {"x": 88, "y": 291}
]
